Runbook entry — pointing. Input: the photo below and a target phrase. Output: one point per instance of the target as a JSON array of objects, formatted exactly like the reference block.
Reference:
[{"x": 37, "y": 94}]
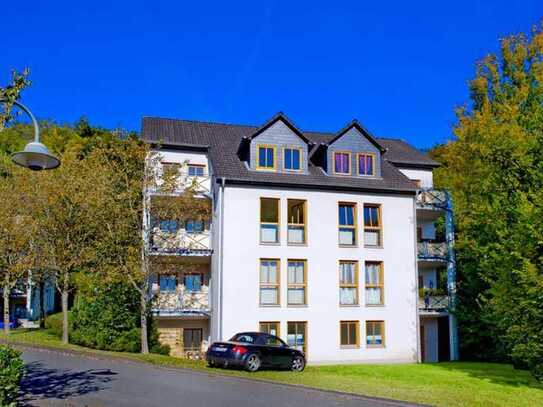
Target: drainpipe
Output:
[
  {"x": 419, "y": 339},
  {"x": 451, "y": 278},
  {"x": 221, "y": 258}
]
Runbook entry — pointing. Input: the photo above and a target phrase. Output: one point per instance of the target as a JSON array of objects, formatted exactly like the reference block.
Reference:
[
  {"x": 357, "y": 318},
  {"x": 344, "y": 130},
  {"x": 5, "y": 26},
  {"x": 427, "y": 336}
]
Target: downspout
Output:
[
  {"x": 419, "y": 355},
  {"x": 451, "y": 278},
  {"x": 221, "y": 257}
]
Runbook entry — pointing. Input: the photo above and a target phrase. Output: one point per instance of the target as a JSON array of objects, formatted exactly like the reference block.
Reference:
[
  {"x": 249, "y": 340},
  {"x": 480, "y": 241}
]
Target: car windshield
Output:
[{"x": 245, "y": 338}]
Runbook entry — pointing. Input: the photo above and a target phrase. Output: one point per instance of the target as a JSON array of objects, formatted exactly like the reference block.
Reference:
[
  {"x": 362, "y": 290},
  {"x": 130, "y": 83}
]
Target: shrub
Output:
[
  {"x": 53, "y": 323},
  {"x": 107, "y": 318},
  {"x": 11, "y": 373}
]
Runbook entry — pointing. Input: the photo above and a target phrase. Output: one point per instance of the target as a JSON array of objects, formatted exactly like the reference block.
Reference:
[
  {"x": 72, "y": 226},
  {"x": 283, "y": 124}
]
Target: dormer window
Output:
[
  {"x": 342, "y": 163},
  {"x": 366, "y": 164},
  {"x": 266, "y": 157},
  {"x": 292, "y": 159}
]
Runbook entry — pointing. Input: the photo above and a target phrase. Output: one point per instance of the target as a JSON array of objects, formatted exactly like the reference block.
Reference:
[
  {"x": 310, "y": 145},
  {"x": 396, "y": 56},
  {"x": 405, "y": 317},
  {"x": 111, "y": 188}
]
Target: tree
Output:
[
  {"x": 11, "y": 93},
  {"x": 126, "y": 254},
  {"x": 16, "y": 227},
  {"x": 494, "y": 168}
]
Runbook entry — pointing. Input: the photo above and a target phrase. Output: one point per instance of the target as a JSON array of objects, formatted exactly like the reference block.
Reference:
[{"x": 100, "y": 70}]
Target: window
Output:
[
  {"x": 296, "y": 221},
  {"x": 193, "y": 282},
  {"x": 167, "y": 282},
  {"x": 366, "y": 164},
  {"x": 372, "y": 225},
  {"x": 342, "y": 163},
  {"x": 297, "y": 335},
  {"x": 347, "y": 224},
  {"x": 292, "y": 159},
  {"x": 196, "y": 170},
  {"x": 168, "y": 226},
  {"x": 194, "y": 226},
  {"x": 296, "y": 289},
  {"x": 272, "y": 328},
  {"x": 266, "y": 158},
  {"x": 269, "y": 220},
  {"x": 349, "y": 333},
  {"x": 269, "y": 282},
  {"x": 374, "y": 283},
  {"x": 169, "y": 169},
  {"x": 348, "y": 283},
  {"x": 192, "y": 339},
  {"x": 375, "y": 333}
]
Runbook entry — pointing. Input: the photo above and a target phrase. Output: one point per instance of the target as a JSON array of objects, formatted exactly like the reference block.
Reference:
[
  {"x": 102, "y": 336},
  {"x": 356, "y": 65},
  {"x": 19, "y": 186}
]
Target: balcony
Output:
[
  {"x": 181, "y": 302},
  {"x": 429, "y": 251},
  {"x": 200, "y": 185},
  {"x": 434, "y": 303},
  {"x": 182, "y": 243}
]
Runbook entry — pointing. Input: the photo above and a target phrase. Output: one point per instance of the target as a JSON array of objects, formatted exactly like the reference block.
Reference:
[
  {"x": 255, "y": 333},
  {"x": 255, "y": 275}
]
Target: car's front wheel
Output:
[
  {"x": 298, "y": 364},
  {"x": 252, "y": 364}
]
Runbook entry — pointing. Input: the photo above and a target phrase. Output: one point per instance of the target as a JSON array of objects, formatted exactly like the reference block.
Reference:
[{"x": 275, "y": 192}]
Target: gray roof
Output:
[{"x": 223, "y": 140}]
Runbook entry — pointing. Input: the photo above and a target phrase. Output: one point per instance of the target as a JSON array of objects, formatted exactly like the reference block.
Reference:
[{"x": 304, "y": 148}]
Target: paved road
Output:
[{"x": 57, "y": 379}]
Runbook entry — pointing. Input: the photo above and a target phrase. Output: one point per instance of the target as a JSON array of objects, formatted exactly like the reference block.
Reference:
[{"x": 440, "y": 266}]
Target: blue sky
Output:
[{"x": 398, "y": 67}]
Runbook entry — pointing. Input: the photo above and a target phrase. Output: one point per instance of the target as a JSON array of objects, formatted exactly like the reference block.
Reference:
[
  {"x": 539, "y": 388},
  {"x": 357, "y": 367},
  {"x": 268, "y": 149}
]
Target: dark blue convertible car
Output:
[{"x": 253, "y": 350}]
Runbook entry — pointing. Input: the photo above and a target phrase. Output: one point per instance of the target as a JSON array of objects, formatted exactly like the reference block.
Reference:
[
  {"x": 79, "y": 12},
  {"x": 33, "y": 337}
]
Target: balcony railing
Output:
[
  {"x": 182, "y": 243},
  {"x": 432, "y": 251},
  {"x": 434, "y": 303},
  {"x": 432, "y": 199},
  {"x": 200, "y": 184},
  {"x": 181, "y": 302}
]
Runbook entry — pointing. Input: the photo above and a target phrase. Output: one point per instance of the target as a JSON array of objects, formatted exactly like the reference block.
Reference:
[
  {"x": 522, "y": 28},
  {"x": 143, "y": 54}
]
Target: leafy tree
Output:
[
  {"x": 11, "y": 93},
  {"x": 494, "y": 168}
]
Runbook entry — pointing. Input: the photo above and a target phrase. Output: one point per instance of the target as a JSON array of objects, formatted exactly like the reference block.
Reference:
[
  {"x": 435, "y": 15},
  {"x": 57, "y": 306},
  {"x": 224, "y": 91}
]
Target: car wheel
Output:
[
  {"x": 210, "y": 363},
  {"x": 298, "y": 364},
  {"x": 252, "y": 364}
]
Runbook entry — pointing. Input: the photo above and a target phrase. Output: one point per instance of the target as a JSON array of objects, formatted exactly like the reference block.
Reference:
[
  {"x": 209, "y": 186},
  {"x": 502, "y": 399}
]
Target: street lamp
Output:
[{"x": 35, "y": 156}]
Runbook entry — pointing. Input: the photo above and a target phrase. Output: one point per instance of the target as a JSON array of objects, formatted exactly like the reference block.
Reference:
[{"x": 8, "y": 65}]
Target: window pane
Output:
[
  {"x": 288, "y": 159},
  {"x": 261, "y": 156},
  {"x": 373, "y": 296},
  {"x": 371, "y": 238},
  {"x": 269, "y": 234},
  {"x": 296, "y": 335},
  {"x": 296, "y": 211},
  {"x": 296, "y": 234},
  {"x": 346, "y": 237},
  {"x": 346, "y": 215},
  {"x": 347, "y": 296},
  {"x": 296, "y": 296},
  {"x": 168, "y": 226},
  {"x": 352, "y": 333},
  {"x": 344, "y": 333},
  {"x": 373, "y": 273},
  {"x": 168, "y": 282},
  {"x": 347, "y": 273},
  {"x": 268, "y": 272},
  {"x": 268, "y": 296},
  {"x": 269, "y": 157},
  {"x": 342, "y": 163},
  {"x": 296, "y": 272},
  {"x": 296, "y": 159},
  {"x": 369, "y": 165},
  {"x": 362, "y": 164},
  {"x": 193, "y": 282},
  {"x": 269, "y": 210},
  {"x": 371, "y": 216}
]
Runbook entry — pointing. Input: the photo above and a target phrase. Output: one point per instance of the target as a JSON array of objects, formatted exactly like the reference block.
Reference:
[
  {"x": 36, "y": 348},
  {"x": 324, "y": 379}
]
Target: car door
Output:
[{"x": 280, "y": 354}]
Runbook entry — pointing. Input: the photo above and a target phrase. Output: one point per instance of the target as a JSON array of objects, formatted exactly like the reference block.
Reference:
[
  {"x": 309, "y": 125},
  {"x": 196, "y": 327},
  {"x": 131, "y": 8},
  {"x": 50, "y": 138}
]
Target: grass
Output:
[{"x": 441, "y": 384}]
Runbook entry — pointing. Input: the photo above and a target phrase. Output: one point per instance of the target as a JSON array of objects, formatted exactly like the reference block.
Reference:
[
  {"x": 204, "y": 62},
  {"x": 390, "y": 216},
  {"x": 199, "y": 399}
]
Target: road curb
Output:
[{"x": 215, "y": 372}]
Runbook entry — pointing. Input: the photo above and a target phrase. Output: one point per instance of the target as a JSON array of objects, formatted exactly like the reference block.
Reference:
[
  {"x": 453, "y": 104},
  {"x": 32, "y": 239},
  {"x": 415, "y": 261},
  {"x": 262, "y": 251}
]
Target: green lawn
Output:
[{"x": 443, "y": 384}]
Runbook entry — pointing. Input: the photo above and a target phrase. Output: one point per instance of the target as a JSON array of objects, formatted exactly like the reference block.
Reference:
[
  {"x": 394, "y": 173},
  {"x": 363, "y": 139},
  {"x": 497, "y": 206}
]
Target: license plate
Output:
[{"x": 217, "y": 349}]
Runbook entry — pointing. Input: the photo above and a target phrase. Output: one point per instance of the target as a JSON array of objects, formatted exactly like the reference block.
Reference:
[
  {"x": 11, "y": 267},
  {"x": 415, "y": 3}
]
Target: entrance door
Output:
[{"x": 192, "y": 340}]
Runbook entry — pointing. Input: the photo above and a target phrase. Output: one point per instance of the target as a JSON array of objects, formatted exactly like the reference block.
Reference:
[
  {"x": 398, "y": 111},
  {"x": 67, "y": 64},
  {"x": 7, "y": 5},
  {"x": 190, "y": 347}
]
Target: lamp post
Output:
[{"x": 35, "y": 156}]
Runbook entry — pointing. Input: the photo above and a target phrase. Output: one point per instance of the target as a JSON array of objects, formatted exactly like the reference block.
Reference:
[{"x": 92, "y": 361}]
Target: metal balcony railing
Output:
[
  {"x": 181, "y": 302},
  {"x": 181, "y": 243},
  {"x": 199, "y": 184},
  {"x": 432, "y": 199},
  {"x": 432, "y": 251},
  {"x": 434, "y": 303}
]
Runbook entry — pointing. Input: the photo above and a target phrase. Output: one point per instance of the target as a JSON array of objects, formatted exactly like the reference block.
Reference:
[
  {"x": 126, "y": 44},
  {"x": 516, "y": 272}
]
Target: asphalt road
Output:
[{"x": 58, "y": 379}]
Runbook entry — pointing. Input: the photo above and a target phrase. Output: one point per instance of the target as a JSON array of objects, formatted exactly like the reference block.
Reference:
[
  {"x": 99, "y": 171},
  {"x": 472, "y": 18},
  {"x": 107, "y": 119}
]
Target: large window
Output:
[
  {"x": 366, "y": 164},
  {"x": 167, "y": 282},
  {"x": 269, "y": 220},
  {"x": 297, "y": 335},
  {"x": 372, "y": 225},
  {"x": 192, "y": 339},
  {"x": 272, "y": 328},
  {"x": 374, "y": 283},
  {"x": 375, "y": 334},
  {"x": 297, "y": 282},
  {"x": 349, "y": 333},
  {"x": 347, "y": 224},
  {"x": 196, "y": 170},
  {"x": 269, "y": 282},
  {"x": 266, "y": 157},
  {"x": 193, "y": 282},
  {"x": 342, "y": 163},
  {"x": 292, "y": 159},
  {"x": 296, "y": 221},
  {"x": 348, "y": 283}
]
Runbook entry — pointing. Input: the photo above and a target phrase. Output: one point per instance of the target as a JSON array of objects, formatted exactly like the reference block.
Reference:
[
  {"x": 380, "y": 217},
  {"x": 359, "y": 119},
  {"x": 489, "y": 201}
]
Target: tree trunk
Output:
[
  {"x": 64, "y": 295},
  {"x": 6, "y": 308},
  {"x": 42, "y": 304},
  {"x": 143, "y": 318}
]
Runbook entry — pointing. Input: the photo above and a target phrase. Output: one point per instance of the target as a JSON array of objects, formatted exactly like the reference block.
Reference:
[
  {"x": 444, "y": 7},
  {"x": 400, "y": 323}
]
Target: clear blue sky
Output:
[{"x": 399, "y": 67}]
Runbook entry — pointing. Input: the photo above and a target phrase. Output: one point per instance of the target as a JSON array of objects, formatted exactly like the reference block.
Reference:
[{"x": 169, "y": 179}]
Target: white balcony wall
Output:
[
  {"x": 187, "y": 157},
  {"x": 242, "y": 251},
  {"x": 425, "y": 177}
]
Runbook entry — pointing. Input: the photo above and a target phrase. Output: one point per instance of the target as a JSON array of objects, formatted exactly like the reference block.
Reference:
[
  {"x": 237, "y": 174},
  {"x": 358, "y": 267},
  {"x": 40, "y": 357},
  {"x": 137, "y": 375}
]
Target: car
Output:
[
  {"x": 255, "y": 350},
  {"x": 13, "y": 322}
]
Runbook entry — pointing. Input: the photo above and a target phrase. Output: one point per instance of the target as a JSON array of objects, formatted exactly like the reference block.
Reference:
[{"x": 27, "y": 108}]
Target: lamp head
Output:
[{"x": 36, "y": 157}]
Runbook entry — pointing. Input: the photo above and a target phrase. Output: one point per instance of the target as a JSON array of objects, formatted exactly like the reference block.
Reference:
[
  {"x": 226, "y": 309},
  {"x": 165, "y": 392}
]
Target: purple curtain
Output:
[{"x": 342, "y": 163}]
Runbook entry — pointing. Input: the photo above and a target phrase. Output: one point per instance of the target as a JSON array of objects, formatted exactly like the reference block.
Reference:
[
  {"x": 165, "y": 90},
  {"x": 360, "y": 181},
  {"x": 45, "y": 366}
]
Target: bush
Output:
[
  {"x": 11, "y": 373},
  {"x": 53, "y": 323},
  {"x": 108, "y": 318}
]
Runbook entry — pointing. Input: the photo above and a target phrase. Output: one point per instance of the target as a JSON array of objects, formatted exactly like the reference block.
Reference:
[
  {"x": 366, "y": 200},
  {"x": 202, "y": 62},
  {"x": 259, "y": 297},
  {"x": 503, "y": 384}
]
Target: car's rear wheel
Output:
[
  {"x": 298, "y": 364},
  {"x": 252, "y": 364}
]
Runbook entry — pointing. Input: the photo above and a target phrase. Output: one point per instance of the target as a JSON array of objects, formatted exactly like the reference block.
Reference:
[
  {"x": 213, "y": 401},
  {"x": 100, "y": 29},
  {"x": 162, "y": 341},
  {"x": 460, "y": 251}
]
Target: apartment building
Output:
[{"x": 330, "y": 241}]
